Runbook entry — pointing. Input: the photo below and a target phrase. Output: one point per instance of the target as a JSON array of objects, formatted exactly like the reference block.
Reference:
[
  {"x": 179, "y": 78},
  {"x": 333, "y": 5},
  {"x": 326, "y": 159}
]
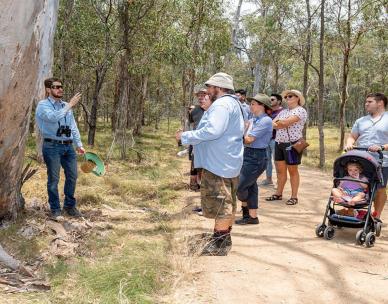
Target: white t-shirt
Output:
[{"x": 296, "y": 129}]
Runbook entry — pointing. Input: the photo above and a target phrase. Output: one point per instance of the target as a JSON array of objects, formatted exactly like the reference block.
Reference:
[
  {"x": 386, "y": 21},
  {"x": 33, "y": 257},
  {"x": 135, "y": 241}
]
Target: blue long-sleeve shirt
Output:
[
  {"x": 217, "y": 141},
  {"x": 50, "y": 114},
  {"x": 261, "y": 130}
]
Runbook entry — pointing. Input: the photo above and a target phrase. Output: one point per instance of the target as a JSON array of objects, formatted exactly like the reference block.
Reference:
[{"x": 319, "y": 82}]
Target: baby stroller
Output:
[{"x": 370, "y": 227}]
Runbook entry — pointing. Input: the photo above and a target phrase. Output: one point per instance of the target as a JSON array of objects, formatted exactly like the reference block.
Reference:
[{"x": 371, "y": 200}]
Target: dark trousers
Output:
[
  {"x": 254, "y": 164},
  {"x": 56, "y": 155}
]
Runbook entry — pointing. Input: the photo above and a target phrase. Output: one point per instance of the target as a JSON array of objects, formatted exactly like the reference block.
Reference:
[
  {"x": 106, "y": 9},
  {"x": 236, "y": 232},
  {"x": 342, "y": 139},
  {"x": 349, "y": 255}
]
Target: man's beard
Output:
[
  {"x": 57, "y": 95},
  {"x": 213, "y": 98}
]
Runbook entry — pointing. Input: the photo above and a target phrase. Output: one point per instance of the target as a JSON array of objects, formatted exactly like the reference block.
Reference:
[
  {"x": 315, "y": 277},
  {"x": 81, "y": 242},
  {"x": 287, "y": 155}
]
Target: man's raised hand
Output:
[{"x": 75, "y": 99}]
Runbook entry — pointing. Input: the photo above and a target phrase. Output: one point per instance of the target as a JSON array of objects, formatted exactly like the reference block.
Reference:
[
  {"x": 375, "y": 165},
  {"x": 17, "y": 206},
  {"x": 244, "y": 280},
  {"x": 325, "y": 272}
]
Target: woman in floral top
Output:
[{"x": 289, "y": 125}]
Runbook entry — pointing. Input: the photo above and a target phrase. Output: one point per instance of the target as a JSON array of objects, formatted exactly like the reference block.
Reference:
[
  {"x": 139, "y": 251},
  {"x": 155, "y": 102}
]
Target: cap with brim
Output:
[
  {"x": 200, "y": 90},
  {"x": 221, "y": 80},
  {"x": 262, "y": 98},
  {"x": 99, "y": 169},
  {"x": 302, "y": 101}
]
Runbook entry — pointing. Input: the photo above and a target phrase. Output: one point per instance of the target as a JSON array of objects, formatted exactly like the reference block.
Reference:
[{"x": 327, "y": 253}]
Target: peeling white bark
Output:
[{"x": 26, "y": 39}]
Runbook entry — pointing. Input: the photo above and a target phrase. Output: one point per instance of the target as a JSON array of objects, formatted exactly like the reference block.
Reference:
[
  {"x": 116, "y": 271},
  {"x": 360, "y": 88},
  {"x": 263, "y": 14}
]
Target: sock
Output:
[{"x": 245, "y": 211}]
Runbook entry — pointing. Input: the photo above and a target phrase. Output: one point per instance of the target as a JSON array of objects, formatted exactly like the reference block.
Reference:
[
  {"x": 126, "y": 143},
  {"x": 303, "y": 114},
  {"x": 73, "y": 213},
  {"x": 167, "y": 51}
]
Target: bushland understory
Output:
[{"x": 122, "y": 251}]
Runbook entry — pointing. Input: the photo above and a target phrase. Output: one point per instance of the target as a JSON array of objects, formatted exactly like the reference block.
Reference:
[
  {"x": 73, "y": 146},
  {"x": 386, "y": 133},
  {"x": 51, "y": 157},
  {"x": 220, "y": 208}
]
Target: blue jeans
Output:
[
  {"x": 270, "y": 152},
  {"x": 254, "y": 164},
  {"x": 56, "y": 155}
]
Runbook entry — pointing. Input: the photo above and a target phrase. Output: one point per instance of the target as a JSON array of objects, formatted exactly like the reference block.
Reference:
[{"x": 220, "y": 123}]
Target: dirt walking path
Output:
[{"x": 282, "y": 261}]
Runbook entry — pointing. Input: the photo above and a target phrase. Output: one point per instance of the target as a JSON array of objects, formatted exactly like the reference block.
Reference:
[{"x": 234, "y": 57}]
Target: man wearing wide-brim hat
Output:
[
  {"x": 256, "y": 141},
  {"x": 218, "y": 149}
]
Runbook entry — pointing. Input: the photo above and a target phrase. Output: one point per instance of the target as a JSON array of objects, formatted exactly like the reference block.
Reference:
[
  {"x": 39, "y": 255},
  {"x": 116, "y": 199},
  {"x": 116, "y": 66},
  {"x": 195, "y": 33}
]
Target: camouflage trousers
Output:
[{"x": 218, "y": 196}]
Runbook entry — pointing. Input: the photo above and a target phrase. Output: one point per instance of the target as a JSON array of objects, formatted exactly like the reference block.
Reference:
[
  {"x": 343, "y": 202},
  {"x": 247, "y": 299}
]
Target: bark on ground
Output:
[{"x": 282, "y": 261}]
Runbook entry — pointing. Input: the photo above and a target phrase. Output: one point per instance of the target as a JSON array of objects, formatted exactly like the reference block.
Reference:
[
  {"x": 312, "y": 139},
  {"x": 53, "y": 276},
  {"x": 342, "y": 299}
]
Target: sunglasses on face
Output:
[
  {"x": 57, "y": 87},
  {"x": 273, "y": 99},
  {"x": 289, "y": 96}
]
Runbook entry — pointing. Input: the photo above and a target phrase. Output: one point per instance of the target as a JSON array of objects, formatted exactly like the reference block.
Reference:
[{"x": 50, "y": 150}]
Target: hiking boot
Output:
[
  {"x": 247, "y": 221},
  {"x": 73, "y": 212},
  {"x": 55, "y": 214},
  {"x": 195, "y": 187},
  {"x": 218, "y": 246}
]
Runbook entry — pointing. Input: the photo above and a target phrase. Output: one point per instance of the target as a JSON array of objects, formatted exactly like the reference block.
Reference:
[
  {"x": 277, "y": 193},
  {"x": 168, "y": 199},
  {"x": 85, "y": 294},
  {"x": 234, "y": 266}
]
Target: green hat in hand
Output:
[{"x": 93, "y": 164}]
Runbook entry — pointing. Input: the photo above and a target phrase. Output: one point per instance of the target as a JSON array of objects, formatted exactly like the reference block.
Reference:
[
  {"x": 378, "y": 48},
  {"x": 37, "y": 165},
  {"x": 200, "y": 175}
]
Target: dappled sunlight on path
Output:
[{"x": 282, "y": 261}]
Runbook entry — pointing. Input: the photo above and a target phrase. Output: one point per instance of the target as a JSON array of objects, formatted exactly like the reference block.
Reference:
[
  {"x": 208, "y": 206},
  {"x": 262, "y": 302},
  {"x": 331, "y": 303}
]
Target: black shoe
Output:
[
  {"x": 197, "y": 209},
  {"x": 73, "y": 212},
  {"x": 54, "y": 214},
  {"x": 218, "y": 245},
  {"x": 195, "y": 187},
  {"x": 247, "y": 221}
]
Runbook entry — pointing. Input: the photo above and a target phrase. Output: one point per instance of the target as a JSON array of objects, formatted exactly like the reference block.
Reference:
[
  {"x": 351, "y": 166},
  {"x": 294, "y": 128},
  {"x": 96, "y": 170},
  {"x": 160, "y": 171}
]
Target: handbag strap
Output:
[{"x": 289, "y": 138}]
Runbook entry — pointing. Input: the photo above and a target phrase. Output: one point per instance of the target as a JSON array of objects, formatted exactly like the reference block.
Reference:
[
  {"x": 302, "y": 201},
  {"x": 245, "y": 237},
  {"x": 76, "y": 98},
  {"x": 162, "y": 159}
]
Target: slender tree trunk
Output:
[
  {"x": 236, "y": 21},
  {"x": 344, "y": 80},
  {"x": 321, "y": 88},
  {"x": 26, "y": 38},
  {"x": 140, "y": 114},
  {"x": 123, "y": 82},
  {"x": 260, "y": 69},
  {"x": 100, "y": 77},
  {"x": 307, "y": 60}
]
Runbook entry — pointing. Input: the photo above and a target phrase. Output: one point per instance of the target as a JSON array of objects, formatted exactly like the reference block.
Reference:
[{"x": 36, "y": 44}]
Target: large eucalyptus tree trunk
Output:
[
  {"x": 321, "y": 88},
  {"x": 27, "y": 33}
]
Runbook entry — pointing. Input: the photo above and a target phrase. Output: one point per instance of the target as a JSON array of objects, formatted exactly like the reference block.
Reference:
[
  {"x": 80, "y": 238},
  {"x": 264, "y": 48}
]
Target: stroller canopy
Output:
[{"x": 371, "y": 167}]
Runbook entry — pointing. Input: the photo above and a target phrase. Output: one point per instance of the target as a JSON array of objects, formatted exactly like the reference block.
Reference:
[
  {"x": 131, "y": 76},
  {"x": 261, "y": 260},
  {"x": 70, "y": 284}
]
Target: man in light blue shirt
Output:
[
  {"x": 371, "y": 131},
  {"x": 59, "y": 131},
  {"x": 218, "y": 150}
]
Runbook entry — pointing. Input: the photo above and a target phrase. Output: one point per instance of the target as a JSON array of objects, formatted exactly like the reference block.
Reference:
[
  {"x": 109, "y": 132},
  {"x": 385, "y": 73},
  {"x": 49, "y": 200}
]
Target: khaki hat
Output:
[
  {"x": 262, "y": 98},
  {"x": 221, "y": 80},
  {"x": 302, "y": 101}
]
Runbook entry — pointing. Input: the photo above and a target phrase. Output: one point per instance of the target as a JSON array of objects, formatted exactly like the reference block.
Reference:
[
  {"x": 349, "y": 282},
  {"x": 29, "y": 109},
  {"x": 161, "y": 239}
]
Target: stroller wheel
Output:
[
  {"x": 329, "y": 232},
  {"x": 378, "y": 229},
  {"x": 370, "y": 239},
  {"x": 360, "y": 237},
  {"x": 319, "y": 230}
]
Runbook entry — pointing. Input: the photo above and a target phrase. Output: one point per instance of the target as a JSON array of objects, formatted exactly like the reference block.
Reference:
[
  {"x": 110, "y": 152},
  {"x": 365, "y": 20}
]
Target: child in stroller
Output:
[
  {"x": 356, "y": 197},
  {"x": 349, "y": 191}
]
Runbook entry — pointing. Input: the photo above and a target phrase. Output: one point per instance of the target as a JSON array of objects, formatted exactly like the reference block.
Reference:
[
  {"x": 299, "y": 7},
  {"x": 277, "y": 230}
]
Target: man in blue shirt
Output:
[
  {"x": 218, "y": 149},
  {"x": 59, "y": 131},
  {"x": 371, "y": 131},
  {"x": 242, "y": 97}
]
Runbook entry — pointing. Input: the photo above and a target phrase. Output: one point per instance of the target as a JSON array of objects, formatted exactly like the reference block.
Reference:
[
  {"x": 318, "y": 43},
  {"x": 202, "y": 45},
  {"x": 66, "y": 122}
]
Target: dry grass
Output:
[
  {"x": 128, "y": 263},
  {"x": 139, "y": 258},
  {"x": 332, "y": 136}
]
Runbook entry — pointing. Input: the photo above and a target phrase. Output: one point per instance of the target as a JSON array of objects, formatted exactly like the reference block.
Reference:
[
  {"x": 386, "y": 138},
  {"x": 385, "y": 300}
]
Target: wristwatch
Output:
[{"x": 382, "y": 147}]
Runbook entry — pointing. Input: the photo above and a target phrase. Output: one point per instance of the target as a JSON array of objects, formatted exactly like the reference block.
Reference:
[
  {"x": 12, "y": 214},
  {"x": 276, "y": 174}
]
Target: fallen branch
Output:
[{"x": 12, "y": 263}]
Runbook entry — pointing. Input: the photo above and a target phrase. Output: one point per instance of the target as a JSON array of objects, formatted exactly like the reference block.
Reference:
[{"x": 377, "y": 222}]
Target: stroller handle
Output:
[{"x": 381, "y": 155}]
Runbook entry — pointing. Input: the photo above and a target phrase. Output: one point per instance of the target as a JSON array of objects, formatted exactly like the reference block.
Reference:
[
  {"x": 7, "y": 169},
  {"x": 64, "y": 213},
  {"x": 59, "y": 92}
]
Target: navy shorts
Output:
[{"x": 281, "y": 153}]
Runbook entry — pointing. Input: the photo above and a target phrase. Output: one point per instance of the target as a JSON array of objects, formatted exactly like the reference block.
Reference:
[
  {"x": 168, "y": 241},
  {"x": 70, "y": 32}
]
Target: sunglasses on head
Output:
[{"x": 56, "y": 87}]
